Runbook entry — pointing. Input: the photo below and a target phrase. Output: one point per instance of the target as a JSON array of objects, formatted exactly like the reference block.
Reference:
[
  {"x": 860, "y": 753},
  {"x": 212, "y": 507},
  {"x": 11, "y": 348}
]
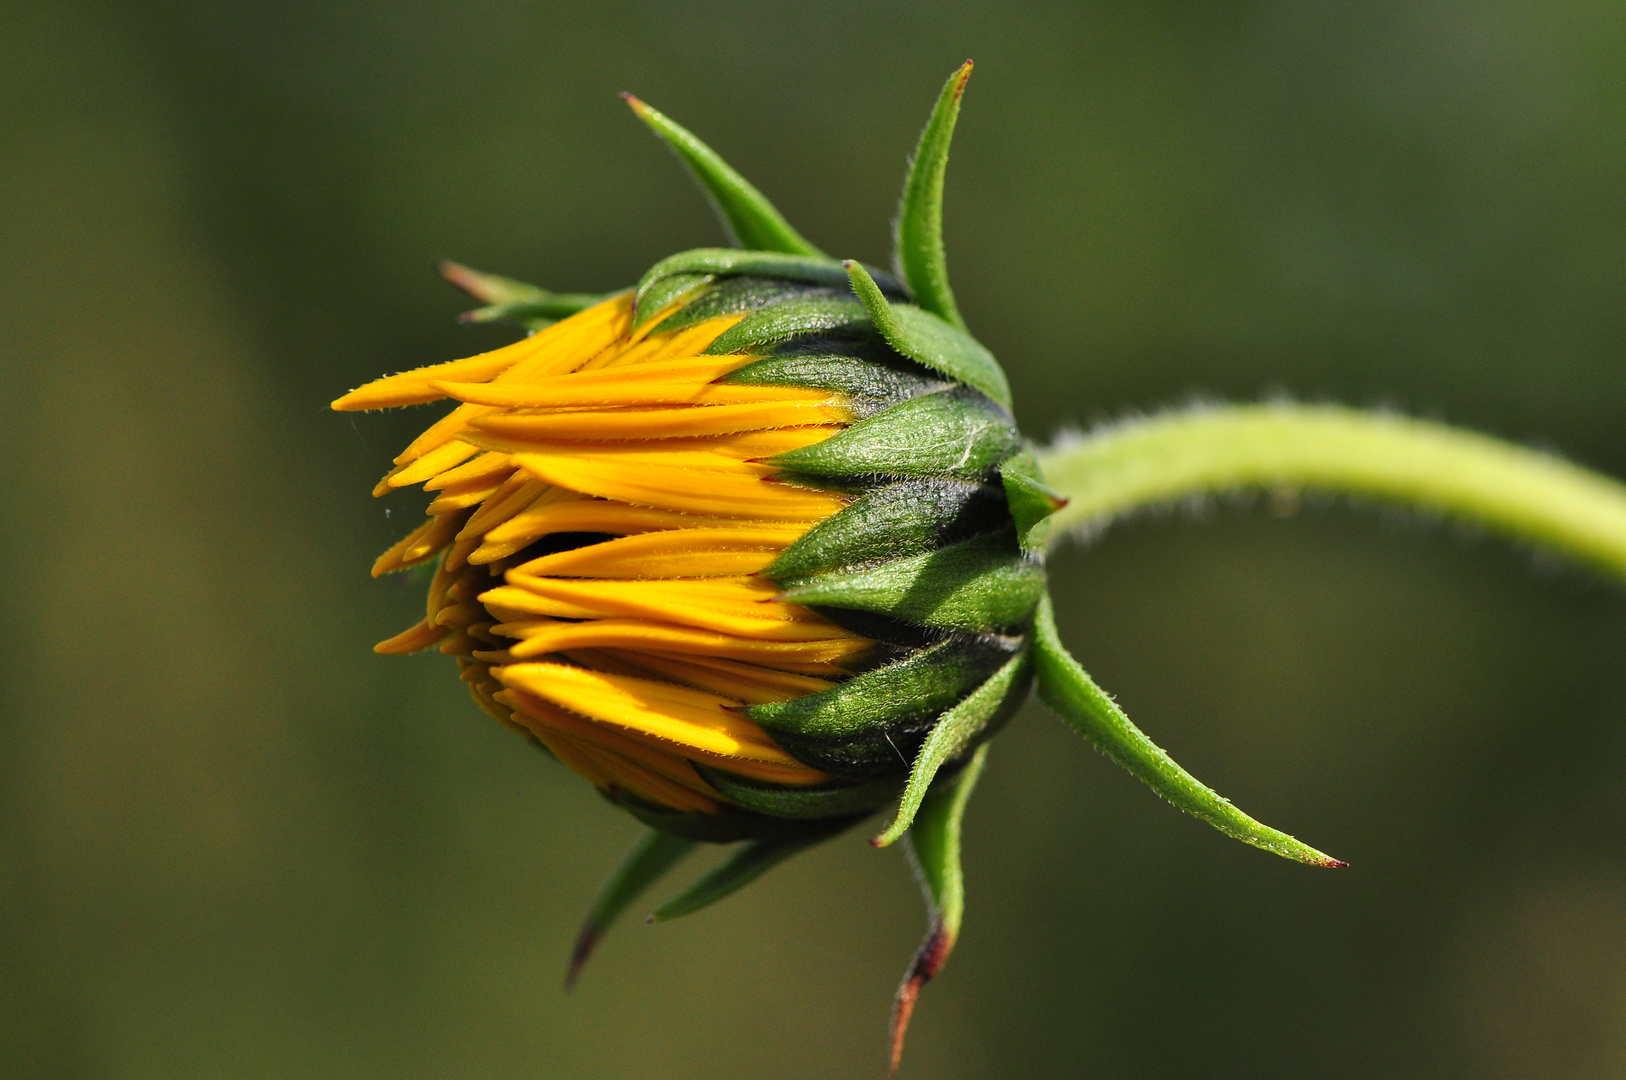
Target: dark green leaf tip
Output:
[
  {"x": 751, "y": 220},
  {"x": 953, "y": 733},
  {"x": 918, "y": 236},
  {"x": 653, "y": 855},
  {"x": 744, "y": 866}
]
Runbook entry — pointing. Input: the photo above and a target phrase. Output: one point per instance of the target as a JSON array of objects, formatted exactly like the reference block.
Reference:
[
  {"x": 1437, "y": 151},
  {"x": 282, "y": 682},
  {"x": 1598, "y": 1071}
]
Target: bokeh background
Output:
[{"x": 235, "y": 843}]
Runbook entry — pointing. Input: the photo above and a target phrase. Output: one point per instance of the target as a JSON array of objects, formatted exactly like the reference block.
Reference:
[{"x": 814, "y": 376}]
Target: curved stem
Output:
[{"x": 1521, "y": 493}]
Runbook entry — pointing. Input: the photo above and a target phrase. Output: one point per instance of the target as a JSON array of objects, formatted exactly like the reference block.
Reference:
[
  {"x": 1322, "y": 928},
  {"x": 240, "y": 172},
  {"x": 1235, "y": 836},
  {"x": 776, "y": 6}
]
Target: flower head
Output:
[
  {"x": 754, "y": 546},
  {"x": 696, "y": 538}
]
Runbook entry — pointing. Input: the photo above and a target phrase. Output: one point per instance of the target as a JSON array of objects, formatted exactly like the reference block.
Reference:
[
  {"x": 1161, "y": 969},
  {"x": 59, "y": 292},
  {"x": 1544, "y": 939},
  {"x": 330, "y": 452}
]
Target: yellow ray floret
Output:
[
  {"x": 672, "y": 553},
  {"x": 565, "y": 345},
  {"x": 699, "y": 722},
  {"x": 602, "y": 514}
]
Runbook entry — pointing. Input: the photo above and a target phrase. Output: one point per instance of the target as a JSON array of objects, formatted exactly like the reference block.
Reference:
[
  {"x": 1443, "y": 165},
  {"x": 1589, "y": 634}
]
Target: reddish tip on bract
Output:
[
  {"x": 463, "y": 277},
  {"x": 960, "y": 79},
  {"x": 637, "y": 105},
  {"x": 928, "y": 961},
  {"x": 586, "y": 942}
]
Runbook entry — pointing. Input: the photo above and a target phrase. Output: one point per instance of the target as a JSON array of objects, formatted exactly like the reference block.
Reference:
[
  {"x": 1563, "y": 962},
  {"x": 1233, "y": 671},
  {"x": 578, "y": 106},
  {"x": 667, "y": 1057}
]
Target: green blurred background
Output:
[{"x": 235, "y": 843}]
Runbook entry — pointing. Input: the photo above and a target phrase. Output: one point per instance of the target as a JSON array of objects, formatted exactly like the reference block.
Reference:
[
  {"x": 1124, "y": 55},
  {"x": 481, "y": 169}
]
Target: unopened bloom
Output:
[
  {"x": 725, "y": 553},
  {"x": 755, "y": 547}
]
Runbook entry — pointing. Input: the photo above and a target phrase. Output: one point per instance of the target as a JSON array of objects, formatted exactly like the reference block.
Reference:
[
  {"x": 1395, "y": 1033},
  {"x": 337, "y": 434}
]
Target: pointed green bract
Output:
[
  {"x": 869, "y": 374},
  {"x": 928, "y": 339},
  {"x": 751, "y": 220},
  {"x": 488, "y": 288},
  {"x": 538, "y": 314},
  {"x": 1030, "y": 499},
  {"x": 660, "y": 294},
  {"x": 508, "y": 300},
  {"x": 650, "y": 858},
  {"x": 818, "y": 270},
  {"x": 912, "y": 690},
  {"x": 785, "y": 319},
  {"x": 872, "y": 724},
  {"x": 933, "y": 847},
  {"x": 743, "y": 867},
  {"x": 909, "y": 517},
  {"x": 1004, "y": 692},
  {"x": 954, "y": 433},
  {"x": 982, "y": 585},
  {"x": 1068, "y": 689},
  {"x": 918, "y": 242}
]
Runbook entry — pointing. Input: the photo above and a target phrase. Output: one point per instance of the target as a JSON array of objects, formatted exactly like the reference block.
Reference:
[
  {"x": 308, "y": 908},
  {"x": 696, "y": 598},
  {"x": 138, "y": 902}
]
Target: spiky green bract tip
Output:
[
  {"x": 933, "y": 847},
  {"x": 745, "y": 866},
  {"x": 654, "y": 854},
  {"x": 956, "y": 730},
  {"x": 929, "y": 339},
  {"x": 508, "y": 300},
  {"x": 918, "y": 234},
  {"x": 1068, "y": 689},
  {"x": 751, "y": 220}
]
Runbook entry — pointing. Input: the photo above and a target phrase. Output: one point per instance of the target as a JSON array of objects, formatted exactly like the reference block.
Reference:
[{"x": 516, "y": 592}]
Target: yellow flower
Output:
[{"x": 600, "y": 522}]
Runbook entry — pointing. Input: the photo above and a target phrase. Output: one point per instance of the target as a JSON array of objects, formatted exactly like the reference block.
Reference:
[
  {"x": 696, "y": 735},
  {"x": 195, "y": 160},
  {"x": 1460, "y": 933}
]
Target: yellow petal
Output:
[
  {"x": 749, "y": 683},
  {"x": 745, "y": 607},
  {"x": 818, "y": 656},
  {"x": 657, "y": 482},
  {"x": 577, "y": 337},
  {"x": 420, "y": 545},
  {"x": 672, "y": 553},
  {"x": 662, "y": 423},
  {"x": 693, "y": 719},
  {"x": 418, "y": 638}
]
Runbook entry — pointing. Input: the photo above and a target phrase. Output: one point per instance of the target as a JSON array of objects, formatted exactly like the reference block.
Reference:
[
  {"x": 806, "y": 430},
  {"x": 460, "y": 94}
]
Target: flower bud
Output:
[
  {"x": 754, "y": 546},
  {"x": 733, "y": 544}
]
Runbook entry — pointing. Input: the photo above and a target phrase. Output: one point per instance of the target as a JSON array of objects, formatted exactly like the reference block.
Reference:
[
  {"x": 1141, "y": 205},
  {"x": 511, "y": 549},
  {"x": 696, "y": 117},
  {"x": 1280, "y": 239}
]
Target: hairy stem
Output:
[{"x": 1518, "y": 492}]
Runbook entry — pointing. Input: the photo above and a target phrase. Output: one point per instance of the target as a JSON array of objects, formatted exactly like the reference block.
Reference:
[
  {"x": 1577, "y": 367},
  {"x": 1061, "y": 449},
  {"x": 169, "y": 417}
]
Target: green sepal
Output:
[
  {"x": 787, "y": 318},
  {"x": 533, "y": 314},
  {"x": 868, "y": 724},
  {"x": 516, "y": 301},
  {"x": 488, "y": 288},
  {"x": 729, "y": 825},
  {"x": 725, "y": 262},
  {"x": 918, "y": 239},
  {"x": 749, "y": 218},
  {"x": 909, "y": 517},
  {"x": 803, "y": 803},
  {"x": 732, "y": 296},
  {"x": 955, "y": 432},
  {"x": 933, "y": 847},
  {"x": 655, "y": 299},
  {"x": 927, "y": 339},
  {"x": 868, "y": 373},
  {"x": 744, "y": 867},
  {"x": 654, "y": 854},
  {"x": 984, "y": 711},
  {"x": 984, "y": 584},
  {"x": 1030, "y": 499},
  {"x": 1070, "y": 692}
]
